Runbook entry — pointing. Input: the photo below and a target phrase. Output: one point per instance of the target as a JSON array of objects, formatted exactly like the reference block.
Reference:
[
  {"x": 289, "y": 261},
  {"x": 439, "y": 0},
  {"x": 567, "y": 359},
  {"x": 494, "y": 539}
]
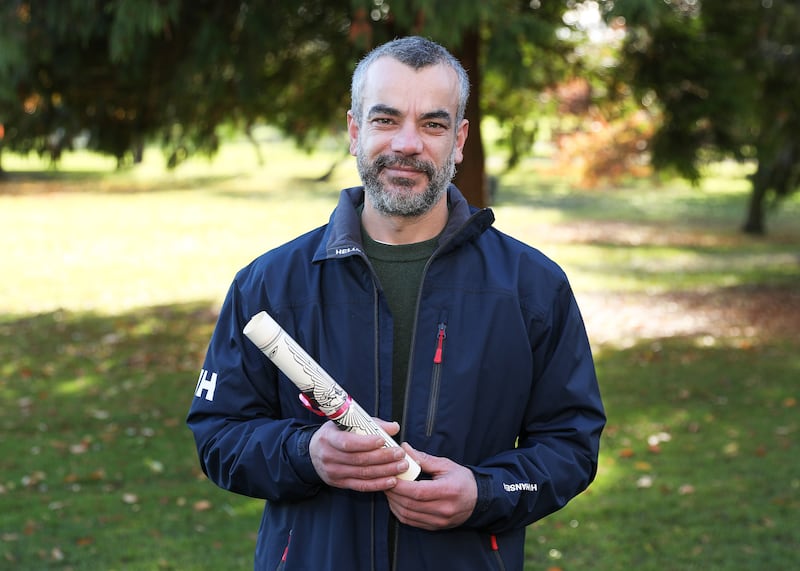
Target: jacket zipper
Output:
[
  {"x": 376, "y": 367},
  {"x": 376, "y": 374},
  {"x": 436, "y": 377},
  {"x": 440, "y": 348}
]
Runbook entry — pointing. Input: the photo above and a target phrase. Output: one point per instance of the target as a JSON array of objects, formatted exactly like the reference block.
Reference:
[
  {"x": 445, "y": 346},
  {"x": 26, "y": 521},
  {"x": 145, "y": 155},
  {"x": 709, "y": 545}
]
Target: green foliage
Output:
[
  {"x": 726, "y": 76},
  {"x": 135, "y": 22},
  {"x": 123, "y": 73}
]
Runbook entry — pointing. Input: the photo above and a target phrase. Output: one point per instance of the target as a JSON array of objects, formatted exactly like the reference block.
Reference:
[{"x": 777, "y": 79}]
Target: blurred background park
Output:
[{"x": 150, "y": 148}]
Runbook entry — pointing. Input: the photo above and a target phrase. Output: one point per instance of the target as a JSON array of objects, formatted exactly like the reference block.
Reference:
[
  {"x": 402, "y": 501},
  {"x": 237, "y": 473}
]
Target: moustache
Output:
[{"x": 385, "y": 161}]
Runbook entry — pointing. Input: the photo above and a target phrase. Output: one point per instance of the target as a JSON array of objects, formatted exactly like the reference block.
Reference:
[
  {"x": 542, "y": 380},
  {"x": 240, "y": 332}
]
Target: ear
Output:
[
  {"x": 461, "y": 139},
  {"x": 352, "y": 131}
]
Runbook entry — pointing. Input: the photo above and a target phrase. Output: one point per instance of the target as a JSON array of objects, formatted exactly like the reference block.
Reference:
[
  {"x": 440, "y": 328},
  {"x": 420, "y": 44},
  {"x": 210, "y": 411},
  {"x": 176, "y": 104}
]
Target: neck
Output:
[{"x": 398, "y": 230}]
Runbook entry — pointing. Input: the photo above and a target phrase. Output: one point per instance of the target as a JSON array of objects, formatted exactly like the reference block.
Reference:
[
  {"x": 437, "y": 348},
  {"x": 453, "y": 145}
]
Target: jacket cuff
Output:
[
  {"x": 301, "y": 459},
  {"x": 484, "y": 500}
]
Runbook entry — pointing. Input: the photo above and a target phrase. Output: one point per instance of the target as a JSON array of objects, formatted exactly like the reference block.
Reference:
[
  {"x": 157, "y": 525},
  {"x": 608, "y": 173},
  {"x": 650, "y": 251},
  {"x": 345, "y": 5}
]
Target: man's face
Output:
[{"x": 407, "y": 143}]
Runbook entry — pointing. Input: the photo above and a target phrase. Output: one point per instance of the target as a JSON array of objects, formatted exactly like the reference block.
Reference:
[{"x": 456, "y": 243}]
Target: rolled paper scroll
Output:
[{"x": 317, "y": 387}]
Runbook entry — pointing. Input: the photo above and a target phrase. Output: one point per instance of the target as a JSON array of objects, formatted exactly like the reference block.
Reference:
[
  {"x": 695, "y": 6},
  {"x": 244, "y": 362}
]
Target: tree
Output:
[
  {"x": 726, "y": 76},
  {"x": 126, "y": 72}
]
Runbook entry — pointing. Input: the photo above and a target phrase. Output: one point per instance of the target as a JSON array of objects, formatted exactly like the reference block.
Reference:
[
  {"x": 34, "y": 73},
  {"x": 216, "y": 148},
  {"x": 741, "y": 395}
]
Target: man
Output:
[{"x": 468, "y": 343}]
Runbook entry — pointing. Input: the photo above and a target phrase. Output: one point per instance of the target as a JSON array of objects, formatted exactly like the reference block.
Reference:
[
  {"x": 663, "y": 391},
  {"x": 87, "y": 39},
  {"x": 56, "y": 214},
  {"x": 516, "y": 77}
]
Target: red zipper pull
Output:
[
  {"x": 493, "y": 539},
  {"x": 437, "y": 357},
  {"x": 286, "y": 550}
]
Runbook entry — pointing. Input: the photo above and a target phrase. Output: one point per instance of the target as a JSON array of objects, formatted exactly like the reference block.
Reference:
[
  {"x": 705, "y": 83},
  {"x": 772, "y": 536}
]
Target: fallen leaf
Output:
[
  {"x": 56, "y": 554},
  {"x": 202, "y": 505},
  {"x": 155, "y": 466},
  {"x": 80, "y": 448},
  {"x": 97, "y": 475},
  {"x": 731, "y": 449},
  {"x": 656, "y": 439},
  {"x": 626, "y": 453},
  {"x": 129, "y": 498}
]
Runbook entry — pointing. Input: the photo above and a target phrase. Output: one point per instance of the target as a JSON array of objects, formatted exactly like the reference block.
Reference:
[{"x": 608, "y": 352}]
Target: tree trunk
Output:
[
  {"x": 754, "y": 222},
  {"x": 471, "y": 173}
]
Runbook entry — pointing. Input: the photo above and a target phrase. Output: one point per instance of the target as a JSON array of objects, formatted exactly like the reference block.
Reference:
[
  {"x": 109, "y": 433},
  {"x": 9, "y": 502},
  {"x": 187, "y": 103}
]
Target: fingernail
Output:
[{"x": 402, "y": 466}]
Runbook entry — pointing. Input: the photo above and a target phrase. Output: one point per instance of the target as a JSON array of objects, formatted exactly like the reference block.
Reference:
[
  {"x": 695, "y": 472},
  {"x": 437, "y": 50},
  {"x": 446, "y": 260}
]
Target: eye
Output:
[
  {"x": 382, "y": 121},
  {"x": 435, "y": 127}
]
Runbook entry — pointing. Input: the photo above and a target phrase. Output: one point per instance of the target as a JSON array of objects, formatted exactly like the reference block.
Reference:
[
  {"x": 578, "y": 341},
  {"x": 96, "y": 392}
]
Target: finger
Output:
[
  {"x": 391, "y": 428},
  {"x": 352, "y": 441},
  {"x": 365, "y": 464},
  {"x": 375, "y": 485},
  {"x": 411, "y": 514},
  {"x": 371, "y": 478}
]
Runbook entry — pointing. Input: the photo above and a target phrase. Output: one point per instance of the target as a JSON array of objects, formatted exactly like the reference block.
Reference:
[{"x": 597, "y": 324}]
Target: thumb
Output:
[
  {"x": 391, "y": 428},
  {"x": 430, "y": 464}
]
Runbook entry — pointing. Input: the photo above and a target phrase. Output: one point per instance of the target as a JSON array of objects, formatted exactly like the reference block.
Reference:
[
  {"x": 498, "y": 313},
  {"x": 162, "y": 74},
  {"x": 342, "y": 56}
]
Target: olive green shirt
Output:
[{"x": 399, "y": 269}]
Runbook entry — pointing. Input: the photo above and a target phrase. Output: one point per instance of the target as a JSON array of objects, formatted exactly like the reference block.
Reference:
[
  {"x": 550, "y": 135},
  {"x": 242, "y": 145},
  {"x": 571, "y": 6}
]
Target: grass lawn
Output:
[{"x": 112, "y": 280}]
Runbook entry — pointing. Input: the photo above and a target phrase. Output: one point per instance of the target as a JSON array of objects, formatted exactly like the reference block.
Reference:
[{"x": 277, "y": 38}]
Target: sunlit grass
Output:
[{"x": 144, "y": 237}]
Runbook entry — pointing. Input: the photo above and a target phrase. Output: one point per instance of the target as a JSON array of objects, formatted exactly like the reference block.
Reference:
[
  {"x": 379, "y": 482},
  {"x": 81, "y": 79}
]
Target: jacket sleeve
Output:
[
  {"x": 557, "y": 450},
  {"x": 244, "y": 442}
]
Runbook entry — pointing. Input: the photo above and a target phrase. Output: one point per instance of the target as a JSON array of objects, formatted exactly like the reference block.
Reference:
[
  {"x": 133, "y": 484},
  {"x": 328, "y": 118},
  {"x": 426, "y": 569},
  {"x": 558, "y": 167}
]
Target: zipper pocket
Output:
[
  {"x": 436, "y": 377},
  {"x": 282, "y": 563},
  {"x": 496, "y": 550}
]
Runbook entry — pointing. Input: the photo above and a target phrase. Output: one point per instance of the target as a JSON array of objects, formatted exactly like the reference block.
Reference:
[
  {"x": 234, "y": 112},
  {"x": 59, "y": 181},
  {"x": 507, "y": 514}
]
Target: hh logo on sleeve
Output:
[{"x": 206, "y": 384}]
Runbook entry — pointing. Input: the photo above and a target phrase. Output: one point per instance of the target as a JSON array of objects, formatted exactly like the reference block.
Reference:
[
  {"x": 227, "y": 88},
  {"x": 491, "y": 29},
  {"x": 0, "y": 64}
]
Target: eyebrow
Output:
[
  {"x": 381, "y": 109},
  {"x": 440, "y": 114}
]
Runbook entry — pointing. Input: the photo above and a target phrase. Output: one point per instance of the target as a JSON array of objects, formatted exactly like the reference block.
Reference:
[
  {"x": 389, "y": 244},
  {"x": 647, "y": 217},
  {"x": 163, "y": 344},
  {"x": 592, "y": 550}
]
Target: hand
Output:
[
  {"x": 445, "y": 501},
  {"x": 356, "y": 461}
]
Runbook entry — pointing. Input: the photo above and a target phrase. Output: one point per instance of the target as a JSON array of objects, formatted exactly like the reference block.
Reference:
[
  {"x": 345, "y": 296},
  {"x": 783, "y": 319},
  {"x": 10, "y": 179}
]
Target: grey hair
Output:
[{"x": 417, "y": 53}]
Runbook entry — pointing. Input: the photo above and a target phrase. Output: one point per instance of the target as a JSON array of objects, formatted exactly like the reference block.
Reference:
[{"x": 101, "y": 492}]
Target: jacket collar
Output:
[{"x": 342, "y": 236}]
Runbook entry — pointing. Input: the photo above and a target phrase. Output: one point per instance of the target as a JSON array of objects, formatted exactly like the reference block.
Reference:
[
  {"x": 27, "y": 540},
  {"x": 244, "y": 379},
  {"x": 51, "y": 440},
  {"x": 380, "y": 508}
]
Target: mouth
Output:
[
  {"x": 401, "y": 172},
  {"x": 404, "y": 168}
]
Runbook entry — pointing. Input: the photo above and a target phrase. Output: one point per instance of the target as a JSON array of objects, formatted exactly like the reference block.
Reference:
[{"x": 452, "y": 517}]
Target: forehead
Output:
[{"x": 389, "y": 82}]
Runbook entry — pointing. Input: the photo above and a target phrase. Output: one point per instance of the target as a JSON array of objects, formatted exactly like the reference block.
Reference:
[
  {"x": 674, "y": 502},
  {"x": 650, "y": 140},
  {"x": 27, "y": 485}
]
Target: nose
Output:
[{"x": 406, "y": 140}]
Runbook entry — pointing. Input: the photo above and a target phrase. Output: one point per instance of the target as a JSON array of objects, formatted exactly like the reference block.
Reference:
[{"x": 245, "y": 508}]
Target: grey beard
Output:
[{"x": 395, "y": 201}]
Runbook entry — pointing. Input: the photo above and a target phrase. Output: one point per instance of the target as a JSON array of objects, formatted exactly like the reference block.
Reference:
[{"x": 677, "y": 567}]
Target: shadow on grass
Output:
[
  {"x": 33, "y": 183},
  {"x": 640, "y": 204},
  {"x": 99, "y": 471},
  {"x": 233, "y": 186},
  {"x": 720, "y": 200}
]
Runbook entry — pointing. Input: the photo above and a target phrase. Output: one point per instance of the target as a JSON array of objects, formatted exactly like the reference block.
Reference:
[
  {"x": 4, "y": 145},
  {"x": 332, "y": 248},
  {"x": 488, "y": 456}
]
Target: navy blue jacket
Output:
[{"x": 514, "y": 396}]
